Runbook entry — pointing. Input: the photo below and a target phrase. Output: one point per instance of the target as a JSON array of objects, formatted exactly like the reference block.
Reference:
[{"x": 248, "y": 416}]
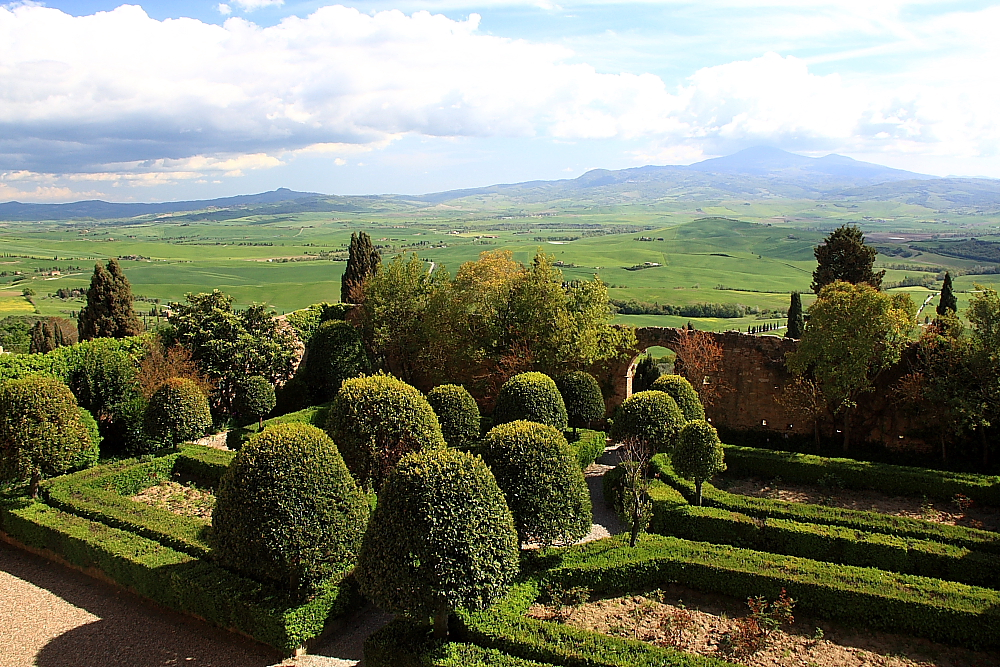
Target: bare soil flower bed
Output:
[
  {"x": 179, "y": 499},
  {"x": 716, "y": 625},
  {"x": 974, "y": 516}
]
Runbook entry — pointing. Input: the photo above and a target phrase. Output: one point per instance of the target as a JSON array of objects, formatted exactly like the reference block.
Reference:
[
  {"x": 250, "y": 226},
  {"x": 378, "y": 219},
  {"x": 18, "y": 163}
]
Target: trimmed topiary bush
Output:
[
  {"x": 583, "y": 399},
  {"x": 90, "y": 455},
  {"x": 651, "y": 416},
  {"x": 177, "y": 412},
  {"x": 542, "y": 481},
  {"x": 458, "y": 413},
  {"x": 683, "y": 394},
  {"x": 288, "y": 511},
  {"x": 255, "y": 399},
  {"x": 41, "y": 433},
  {"x": 698, "y": 454},
  {"x": 335, "y": 353},
  {"x": 440, "y": 539},
  {"x": 531, "y": 397},
  {"x": 376, "y": 420}
]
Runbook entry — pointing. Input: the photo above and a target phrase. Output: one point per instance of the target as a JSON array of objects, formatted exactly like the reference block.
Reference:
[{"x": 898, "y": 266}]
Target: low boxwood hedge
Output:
[
  {"x": 103, "y": 494},
  {"x": 853, "y": 474},
  {"x": 177, "y": 580},
  {"x": 871, "y": 522},
  {"x": 315, "y": 415},
  {"x": 587, "y": 446},
  {"x": 864, "y": 597},
  {"x": 674, "y": 516}
]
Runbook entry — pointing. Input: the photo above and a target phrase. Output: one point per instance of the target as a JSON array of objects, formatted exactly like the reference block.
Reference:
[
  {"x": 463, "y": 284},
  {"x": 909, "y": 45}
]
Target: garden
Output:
[{"x": 357, "y": 468}]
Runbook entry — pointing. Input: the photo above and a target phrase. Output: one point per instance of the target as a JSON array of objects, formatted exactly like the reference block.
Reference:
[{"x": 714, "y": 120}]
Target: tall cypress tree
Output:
[
  {"x": 363, "y": 261},
  {"x": 843, "y": 255},
  {"x": 108, "y": 313},
  {"x": 45, "y": 337},
  {"x": 796, "y": 321},
  {"x": 948, "y": 299}
]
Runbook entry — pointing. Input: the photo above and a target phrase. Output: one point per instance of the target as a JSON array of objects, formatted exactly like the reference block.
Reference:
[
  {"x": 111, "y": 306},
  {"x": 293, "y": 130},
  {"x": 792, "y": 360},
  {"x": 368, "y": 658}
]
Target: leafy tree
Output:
[
  {"x": 41, "y": 432},
  {"x": 632, "y": 501},
  {"x": 363, "y": 261},
  {"x": 948, "y": 300},
  {"x": 683, "y": 394},
  {"x": 583, "y": 398},
  {"x": 335, "y": 353},
  {"x": 984, "y": 319},
  {"x": 160, "y": 363},
  {"x": 699, "y": 360},
  {"x": 542, "y": 481},
  {"x": 646, "y": 372},
  {"x": 376, "y": 420},
  {"x": 853, "y": 334},
  {"x": 698, "y": 454},
  {"x": 177, "y": 412},
  {"x": 844, "y": 256},
  {"x": 230, "y": 346},
  {"x": 458, "y": 413},
  {"x": 288, "y": 511},
  {"x": 108, "y": 313},
  {"x": 441, "y": 538},
  {"x": 649, "y": 416},
  {"x": 803, "y": 398},
  {"x": 796, "y": 319},
  {"x": 255, "y": 399},
  {"x": 104, "y": 380}
]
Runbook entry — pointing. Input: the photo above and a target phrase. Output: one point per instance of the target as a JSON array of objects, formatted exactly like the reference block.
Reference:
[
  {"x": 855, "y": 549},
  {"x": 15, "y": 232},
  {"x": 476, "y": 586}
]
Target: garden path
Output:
[{"x": 606, "y": 522}]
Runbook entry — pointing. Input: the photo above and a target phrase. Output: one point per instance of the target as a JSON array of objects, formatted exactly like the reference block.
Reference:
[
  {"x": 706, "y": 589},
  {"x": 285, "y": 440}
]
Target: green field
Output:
[{"x": 755, "y": 254}]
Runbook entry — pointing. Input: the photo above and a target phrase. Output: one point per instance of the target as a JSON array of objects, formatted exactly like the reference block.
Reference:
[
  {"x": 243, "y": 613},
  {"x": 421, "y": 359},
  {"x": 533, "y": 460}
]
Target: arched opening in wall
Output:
[{"x": 651, "y": 363}]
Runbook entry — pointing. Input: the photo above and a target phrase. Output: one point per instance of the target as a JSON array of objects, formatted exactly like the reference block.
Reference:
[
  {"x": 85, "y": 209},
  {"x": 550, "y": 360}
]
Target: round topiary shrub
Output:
[
  {"x": 541, "y": 480},
  {"x": 683, "y": 394},
  {"x": 177, "y": 412},
  {"x": 531, "y": 397},
  {"x": 41, "y": 432},
  {"x": 698, "y": 454},
  {"x": 458, "y": 413},
  {"x": 255, "y": 399},
  {"x": 287, "y": 509},
  {"x": 650, "y": 416},
  {"x": 335, "y": 353},
  {"x": 376, "y": 420},
  {"x": 582, "y": 395},
  {"x": 441, "y": 538}
]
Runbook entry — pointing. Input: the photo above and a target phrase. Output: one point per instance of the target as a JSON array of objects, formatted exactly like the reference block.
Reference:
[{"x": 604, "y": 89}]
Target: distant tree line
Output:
[
  {"x": 721, "y": 310},
  {"x": 984, "y": 251}
]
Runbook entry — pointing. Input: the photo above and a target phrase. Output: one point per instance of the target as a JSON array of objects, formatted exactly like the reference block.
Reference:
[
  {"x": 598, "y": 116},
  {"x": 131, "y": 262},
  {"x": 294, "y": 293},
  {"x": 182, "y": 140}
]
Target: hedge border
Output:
[
  {"x": 177, "y": 580},
  {"x": 314, "y": 415},
  {"x": 102, "y": 494},
  {"x": 854, "y": 474},
  {"x": 588, "y": 446},
  {"x": 674, "y": 516},
  {"x": 871, "y": 522}
]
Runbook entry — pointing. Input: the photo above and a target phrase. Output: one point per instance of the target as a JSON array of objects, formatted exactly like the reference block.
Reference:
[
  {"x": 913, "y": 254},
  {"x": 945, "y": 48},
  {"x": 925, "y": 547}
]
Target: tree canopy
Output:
[
  {"x": 108, "y": 313},
  {"x": 844, "y": 256},
  {"x": 948, "y": 301},
  {"x": 853, "y": 334},
  {"x": 363, "y": 260}
]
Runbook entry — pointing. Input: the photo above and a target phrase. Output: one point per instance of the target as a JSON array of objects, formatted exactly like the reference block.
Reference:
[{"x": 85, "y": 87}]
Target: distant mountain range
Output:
[{"x": 754, "y": 173}]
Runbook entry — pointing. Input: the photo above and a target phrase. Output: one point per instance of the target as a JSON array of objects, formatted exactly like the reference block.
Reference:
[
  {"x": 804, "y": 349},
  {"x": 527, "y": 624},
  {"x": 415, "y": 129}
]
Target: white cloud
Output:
[
  {"x": 224, "y": 9},
  {"x": 251, "y": 5},
  {"x": 120, "y": 97}
]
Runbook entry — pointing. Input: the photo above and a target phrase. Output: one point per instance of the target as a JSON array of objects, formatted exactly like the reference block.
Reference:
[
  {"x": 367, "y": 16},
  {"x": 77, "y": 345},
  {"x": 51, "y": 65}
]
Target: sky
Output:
[{"x": 189, "y": 99}]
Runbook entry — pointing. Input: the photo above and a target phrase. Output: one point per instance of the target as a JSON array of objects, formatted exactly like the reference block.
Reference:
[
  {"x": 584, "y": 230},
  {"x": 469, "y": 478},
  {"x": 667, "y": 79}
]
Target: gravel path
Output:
[{"x": 606, "y": 522}]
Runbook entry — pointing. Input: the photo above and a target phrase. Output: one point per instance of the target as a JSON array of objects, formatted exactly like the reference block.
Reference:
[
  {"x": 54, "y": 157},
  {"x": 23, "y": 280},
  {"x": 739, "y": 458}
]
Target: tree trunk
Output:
[
  {"x": 634, "y": 537},
  {"x": 986, "y": 447},
  {"x": 36, "y": 478},
  {"x": 441, "y": 624},
  {"x": 944, "y": 451},
  {"x": 697, "y": 487},
  {"x": 816, "y": 433},
  {"x": 847, "y": 429}
]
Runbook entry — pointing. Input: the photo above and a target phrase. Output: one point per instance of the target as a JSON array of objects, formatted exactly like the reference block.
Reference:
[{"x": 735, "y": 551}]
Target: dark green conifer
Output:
[
  {"x": 948, "y": 299},
  {"x": 362, "y": 262},
  {"x": 45, "y": 337},
  {"x": 843, "y": 255},
  {"x": 108, "y": 313}
]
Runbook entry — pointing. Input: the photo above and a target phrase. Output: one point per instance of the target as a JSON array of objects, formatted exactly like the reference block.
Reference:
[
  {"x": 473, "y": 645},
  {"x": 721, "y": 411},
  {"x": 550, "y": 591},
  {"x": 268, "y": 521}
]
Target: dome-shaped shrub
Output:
[
  {"x": 255, "y": 399},
  {"x": 683, "y": 394},
  {"x": 375, "y": 420},
  {"x": 458, "y": 413},
  {"x": 41, "y": 432},
  {"x": 287, "y": 510},
  {"x": 651, "y": 416},
  {"x": 582, "y": 395},
  {"x": 441, "y": 538},
  {"x": 698, "y": 454},
  {"x": 177, "y": 412},
  {"x": 541, "y": 480},
  {"x": 335, "y": 353},
  {"x": 531, "y": 397}
]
